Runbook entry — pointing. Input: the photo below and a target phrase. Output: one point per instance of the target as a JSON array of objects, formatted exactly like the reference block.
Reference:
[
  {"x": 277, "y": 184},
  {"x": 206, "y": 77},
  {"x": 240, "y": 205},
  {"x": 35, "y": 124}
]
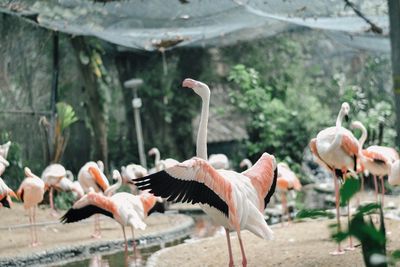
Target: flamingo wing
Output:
[
  {"x": 375, "y": 156},
  {"x": 74, "y": 215},
  {"x": 314, "y": 151},
  {"x": 192, "y": 181}
]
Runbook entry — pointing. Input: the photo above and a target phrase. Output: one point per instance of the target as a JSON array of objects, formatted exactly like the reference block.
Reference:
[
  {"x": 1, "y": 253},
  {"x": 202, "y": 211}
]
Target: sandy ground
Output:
[
  {"x": 299, "y": 244},
  {"x": 15, "y": 236}
]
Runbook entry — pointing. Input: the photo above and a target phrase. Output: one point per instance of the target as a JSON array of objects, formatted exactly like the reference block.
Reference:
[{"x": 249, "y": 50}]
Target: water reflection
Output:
[{"x": 204, "y": 227}]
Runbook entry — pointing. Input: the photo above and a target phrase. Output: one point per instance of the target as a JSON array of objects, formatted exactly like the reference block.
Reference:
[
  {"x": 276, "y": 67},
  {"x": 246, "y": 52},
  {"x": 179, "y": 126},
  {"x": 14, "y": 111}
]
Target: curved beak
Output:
[{"x": 347, "y": 118}]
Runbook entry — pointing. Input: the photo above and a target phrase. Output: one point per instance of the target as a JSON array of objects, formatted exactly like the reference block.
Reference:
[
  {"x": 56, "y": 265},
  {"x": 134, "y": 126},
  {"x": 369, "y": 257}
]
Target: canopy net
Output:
[{"x": 166, "y": 24}]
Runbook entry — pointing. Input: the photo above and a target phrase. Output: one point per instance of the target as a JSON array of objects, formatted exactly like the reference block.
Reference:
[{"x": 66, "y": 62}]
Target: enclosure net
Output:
[{"x": 160, "y": 24}]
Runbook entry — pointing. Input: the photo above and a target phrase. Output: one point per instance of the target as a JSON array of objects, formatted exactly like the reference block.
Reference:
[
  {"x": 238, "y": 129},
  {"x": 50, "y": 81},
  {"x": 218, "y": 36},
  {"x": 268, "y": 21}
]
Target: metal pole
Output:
[{"x": 137, "y": 104}]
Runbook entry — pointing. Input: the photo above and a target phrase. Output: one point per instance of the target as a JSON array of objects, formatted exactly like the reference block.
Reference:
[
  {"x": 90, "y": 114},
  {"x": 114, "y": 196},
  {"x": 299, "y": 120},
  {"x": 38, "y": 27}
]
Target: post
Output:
[{"x": 137, "y": 104}]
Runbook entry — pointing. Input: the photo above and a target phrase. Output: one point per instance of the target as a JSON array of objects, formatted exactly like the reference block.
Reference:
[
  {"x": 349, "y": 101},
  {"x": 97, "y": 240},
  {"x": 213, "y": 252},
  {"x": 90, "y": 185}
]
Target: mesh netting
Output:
[{"x": 161, "y": 24}]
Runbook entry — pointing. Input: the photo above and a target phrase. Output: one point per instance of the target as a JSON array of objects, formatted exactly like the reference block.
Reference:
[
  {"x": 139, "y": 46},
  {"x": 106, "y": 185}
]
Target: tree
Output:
[{"x": 394, "y": 17}]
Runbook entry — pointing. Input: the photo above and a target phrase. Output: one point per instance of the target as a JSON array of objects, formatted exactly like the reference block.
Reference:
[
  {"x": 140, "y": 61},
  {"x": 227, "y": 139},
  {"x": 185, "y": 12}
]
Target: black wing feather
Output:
[
  {"x": 74, "y": 215},
  {"x": 272, "y": 189},
  {"x": 187, "y": 191},
  {"x": 4, "y": 202}
]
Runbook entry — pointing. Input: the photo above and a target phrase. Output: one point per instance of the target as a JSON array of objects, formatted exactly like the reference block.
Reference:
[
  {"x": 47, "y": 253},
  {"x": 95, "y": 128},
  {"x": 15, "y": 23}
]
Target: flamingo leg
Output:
[
  {"x": 133, "y": 243},
  {"x": 96, "y": 233},
  {"x": 284, "y": 207},
  {"x": 34, "y": 226},
  {"x": 376, "y": 188},
  {"x": 383, "y": 191},
  {"x": 51, "y": 200},
  {"x": 350, "y": 247},
  {"x": 228, "y": 239},
  {"x": 126, "y": 243},
  {"x": 339, "y": 250},
  {"x": 31, "y": 227},
  {"x": 244, "y": 259}
]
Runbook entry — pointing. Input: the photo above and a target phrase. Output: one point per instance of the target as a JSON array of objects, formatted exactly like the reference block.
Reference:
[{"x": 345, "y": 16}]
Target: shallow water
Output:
[{"x": 203, "y": 228}]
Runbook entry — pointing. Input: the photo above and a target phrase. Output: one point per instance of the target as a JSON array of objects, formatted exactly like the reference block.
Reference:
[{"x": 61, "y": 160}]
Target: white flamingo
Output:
[
  {"x": 336, "y": 148},
  {"x": 377, "y": 160},
  {"x": 126, "y": 209},
  {"x": 234, "y": 200},
  {"x": 31, "y": 193},
  {"x": 92, "y": 178},
  {"x": 161, "y": 164}
]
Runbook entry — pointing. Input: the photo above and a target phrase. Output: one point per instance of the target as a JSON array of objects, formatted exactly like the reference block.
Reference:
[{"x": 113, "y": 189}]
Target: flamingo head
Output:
[
  {"x": 152, "y": 151},
  {"x": 345, "y": 109},
  {"x": 198, "y": 87}
]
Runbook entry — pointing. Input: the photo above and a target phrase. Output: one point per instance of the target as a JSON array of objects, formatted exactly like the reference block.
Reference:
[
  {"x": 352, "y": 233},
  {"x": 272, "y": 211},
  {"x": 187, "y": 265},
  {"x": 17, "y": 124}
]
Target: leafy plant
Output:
[{"x": 57, "y": 135}]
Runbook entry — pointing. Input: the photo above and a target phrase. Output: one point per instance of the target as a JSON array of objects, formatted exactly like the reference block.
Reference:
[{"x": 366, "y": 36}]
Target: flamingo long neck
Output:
[
  {"x": 112, "y": 189},
  {"x": 157, "y": 157},
  {"x": 201, "y": 145},
  {"x": 338, "y": 137}
]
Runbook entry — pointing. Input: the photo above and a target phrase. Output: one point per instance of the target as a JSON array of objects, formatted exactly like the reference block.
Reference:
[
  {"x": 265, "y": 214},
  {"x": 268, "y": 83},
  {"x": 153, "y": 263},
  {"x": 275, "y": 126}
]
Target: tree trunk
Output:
[
  {"x": 394, "y": 16},
  {"x": 94, "y": 104}
]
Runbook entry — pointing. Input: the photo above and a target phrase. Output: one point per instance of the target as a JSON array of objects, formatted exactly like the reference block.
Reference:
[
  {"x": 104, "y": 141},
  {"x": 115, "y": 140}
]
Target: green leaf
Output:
[
  {"x": 65, "y": 115},
  {"x": 348, "y": 190},
  {"x": 314, "y": 213}
]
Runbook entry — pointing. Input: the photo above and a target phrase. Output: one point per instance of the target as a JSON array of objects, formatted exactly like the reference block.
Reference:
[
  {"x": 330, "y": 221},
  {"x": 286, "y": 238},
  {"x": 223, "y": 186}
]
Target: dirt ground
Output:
[
  {"x": 299, "y": 244},
  {"x": 15, "y": 236}
]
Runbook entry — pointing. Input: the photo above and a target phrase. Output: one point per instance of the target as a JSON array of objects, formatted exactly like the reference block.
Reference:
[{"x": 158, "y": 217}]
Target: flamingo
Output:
[
  {"x": 3, "y": 156},
  {"x": 336, "y": 149},
  {"x": 161, "y": 164},
  {"x": 131, "y": 172},
  {"x": 126, "y": 209},
  {"x": 245, "y": 163},
  {"x": 286, "y": 181},
  {"x": 92, "y": 178},
  {"x": 377, "y": 160},
  {"x": 5, "y": 193},
  {"x": 219, "y": 161},
  {"x": 31, "y": 193},
  {"x": 51, "y": 176},
  {"x": 234, "y": 200},
  {"x": 69, "y": 185}
]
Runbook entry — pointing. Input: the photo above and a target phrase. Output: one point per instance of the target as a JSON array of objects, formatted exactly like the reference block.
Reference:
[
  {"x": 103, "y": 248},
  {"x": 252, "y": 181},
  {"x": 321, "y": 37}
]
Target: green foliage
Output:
[
  {"x": 271, "y": 123},
  {"x": 373, "y": 240},
  {"x": 314, "y": 213},
  {"x": 64, "y": 200},
  {"x": 65, "y": 115},
  {"x": 348, "y": 190}
]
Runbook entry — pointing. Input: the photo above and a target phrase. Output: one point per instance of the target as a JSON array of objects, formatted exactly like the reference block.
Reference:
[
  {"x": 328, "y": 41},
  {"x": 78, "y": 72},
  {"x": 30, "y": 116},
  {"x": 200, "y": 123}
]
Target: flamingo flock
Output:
[{"x": 234, "y": 200}]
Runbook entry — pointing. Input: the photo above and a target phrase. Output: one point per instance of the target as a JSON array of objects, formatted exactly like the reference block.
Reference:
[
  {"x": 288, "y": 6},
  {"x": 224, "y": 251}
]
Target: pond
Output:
[{"x": 203, "y": 228}]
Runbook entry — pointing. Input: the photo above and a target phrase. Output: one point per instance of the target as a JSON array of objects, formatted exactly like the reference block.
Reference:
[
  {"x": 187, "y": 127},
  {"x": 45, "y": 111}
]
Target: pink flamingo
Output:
[
  {"x": 219, "y": 161},
  {"x": 31, "y": 193},
  {"x": 376, "y": 159},
  {"x": 92, "y": 178},
  {"x": 161, "y": 164},
  {"x": 245, "y": 163},
  {"x": 126, "y": 209},
  {"x": 131, "y": 172},
  {"x": 336, "y": 148},
  {"x": 5, "y": 193},
  {"x": 51, "y": 176},
  {"x": 68, "y": 185},
  {"x": 287, "y": 180},
  {"x": 234, "y": 200}
]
